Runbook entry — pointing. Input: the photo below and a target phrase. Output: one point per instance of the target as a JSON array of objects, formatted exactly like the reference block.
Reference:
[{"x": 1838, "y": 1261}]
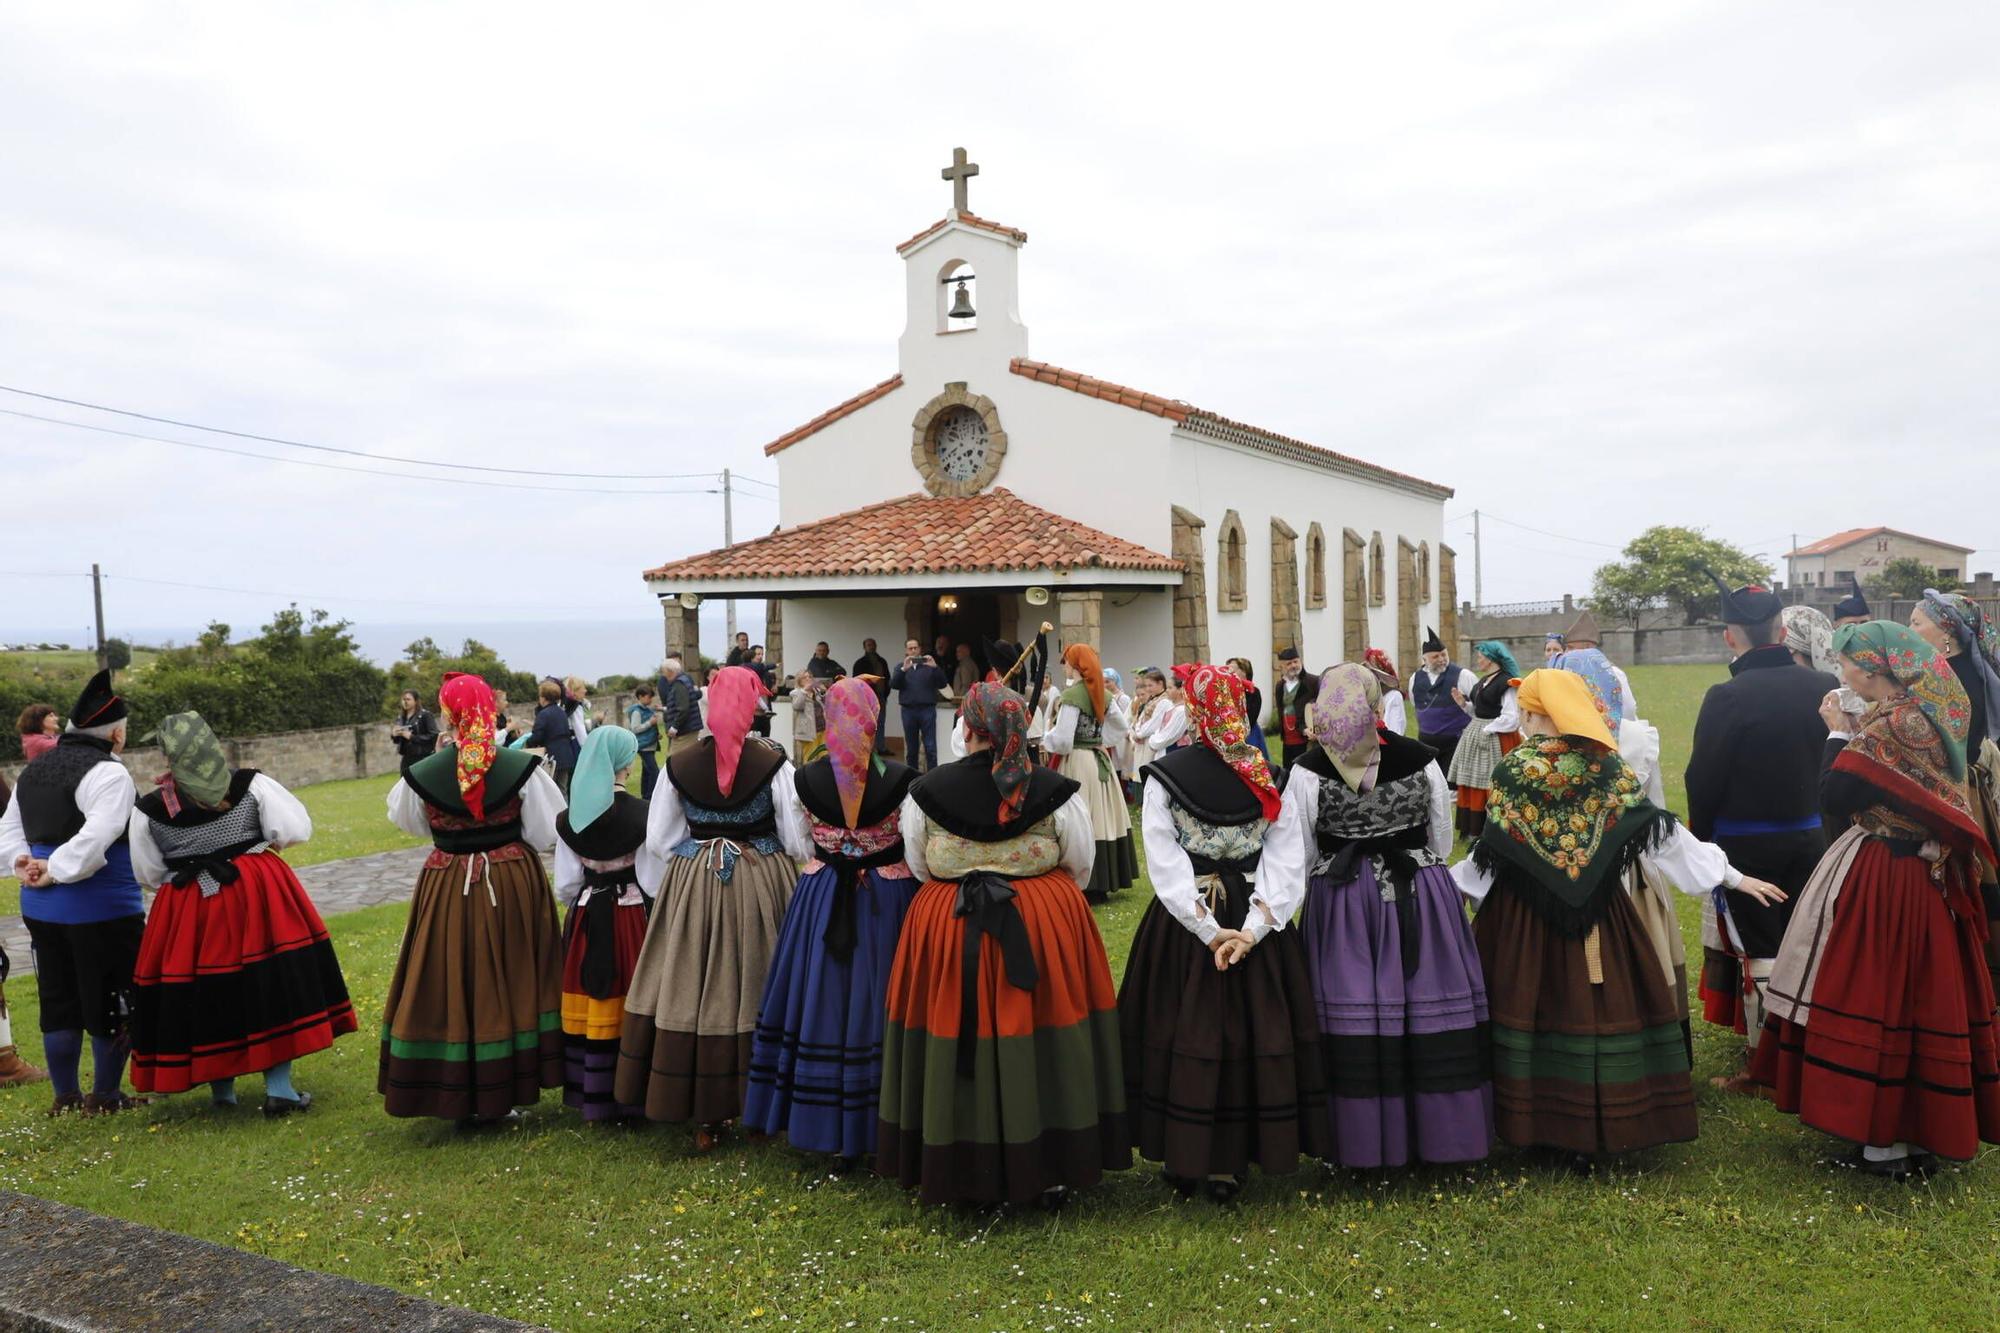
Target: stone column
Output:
[
  {"x": 1354, "y": 596},
  {"x": 1285, "y": 627},
  {"x": 1408, "y": 610},
  {"x": 774, "y": 630},
  {"x": 1191, "y": 598},
  {"x": 1081, "y": 618},
  {"x": 1447, "y": 597},
  {"x": 683, "y": 632}
]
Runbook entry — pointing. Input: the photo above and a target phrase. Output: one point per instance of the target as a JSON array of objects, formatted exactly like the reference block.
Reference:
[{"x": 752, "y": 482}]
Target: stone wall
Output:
[
  {"x": 1285, "y": 630},
  {"x": 1081, "y": 618}
]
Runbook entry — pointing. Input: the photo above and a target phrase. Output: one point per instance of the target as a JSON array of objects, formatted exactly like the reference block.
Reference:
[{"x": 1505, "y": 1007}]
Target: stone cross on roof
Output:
[{"x": 959, "y": 173}]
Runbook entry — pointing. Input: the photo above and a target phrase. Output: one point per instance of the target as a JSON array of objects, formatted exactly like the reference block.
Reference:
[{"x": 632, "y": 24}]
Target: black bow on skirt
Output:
[{"x": 986, "y": 901}]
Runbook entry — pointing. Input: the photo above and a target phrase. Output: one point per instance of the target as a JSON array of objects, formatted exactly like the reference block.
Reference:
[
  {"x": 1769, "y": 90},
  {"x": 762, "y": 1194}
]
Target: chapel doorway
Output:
[{"x": 962, "y": 617}]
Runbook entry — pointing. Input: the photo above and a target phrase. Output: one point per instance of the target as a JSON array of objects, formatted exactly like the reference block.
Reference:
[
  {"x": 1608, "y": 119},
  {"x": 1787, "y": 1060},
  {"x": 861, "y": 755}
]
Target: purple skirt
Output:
[{"x": 1407, "y": 1058}]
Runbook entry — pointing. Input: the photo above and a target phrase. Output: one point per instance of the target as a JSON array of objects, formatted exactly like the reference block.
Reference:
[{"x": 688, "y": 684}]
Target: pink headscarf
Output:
[
  {"x": 733, "y": 693},
  {"x": 853, "y": 716}
]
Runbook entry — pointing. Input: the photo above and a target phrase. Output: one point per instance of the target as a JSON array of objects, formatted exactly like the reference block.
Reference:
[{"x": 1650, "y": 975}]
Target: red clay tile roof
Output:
[
  {"x": 1217, "y": 427},
  {"x": 923, "y": 534},
  {"x": 1014, "y": 234},
  {"x": 1840, "y": 541},
  {"x": 833, "y": 414}
]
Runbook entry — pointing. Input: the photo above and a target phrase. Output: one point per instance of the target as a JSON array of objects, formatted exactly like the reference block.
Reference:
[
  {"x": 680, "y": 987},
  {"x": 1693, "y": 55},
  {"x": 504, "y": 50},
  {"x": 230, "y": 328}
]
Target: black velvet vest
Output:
[{"x": 46, "y": 789}]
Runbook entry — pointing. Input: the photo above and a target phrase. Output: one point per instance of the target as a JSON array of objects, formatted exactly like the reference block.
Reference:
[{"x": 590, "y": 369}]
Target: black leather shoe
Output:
[
  {"x": 277, "y": 1106},
  {"x": 1225, "y": 1191}
]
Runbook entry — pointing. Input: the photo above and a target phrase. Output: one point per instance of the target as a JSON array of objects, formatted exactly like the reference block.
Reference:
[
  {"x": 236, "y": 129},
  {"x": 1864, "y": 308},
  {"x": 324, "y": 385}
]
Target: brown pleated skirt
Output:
[
  {"x": 1591, "y": 1058},
  {"x": 692, "y": 1009},
  {"x": 473, "y": 1025}
]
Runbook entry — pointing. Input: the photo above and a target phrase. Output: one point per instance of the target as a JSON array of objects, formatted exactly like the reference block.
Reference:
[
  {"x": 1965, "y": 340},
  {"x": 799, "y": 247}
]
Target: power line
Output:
[
  {"x": 316, "y": 597},
  {"x": 1559, "y": 536},
  {"x": 334, "y": 449},
  {"x": 375, "y": 471}
]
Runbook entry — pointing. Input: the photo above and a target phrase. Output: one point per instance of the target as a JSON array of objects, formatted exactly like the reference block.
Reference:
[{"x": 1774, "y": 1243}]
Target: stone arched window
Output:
[
  {"x": 1378, "y": 572},
  {"x": 1231, "y": 559},
  {"x": 1424, "y": 573},
  {"x": 1315, "y": 568}
]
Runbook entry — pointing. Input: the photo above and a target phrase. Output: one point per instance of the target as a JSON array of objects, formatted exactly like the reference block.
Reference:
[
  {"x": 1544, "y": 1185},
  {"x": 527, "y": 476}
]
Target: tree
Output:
[
  {"x": 425, "y": 664},
  {"x": 117, "y": 654},
  {"x": 1905, "y": 576},
  {"x": 1667, "y": 566}
]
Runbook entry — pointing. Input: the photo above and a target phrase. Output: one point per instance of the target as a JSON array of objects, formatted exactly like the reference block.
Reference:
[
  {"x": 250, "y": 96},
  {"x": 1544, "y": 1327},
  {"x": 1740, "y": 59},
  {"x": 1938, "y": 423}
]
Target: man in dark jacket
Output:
[
  {"x": 1753, "y": 790},
  {"x": 680, "y": 708},
  {"x": 917, "y": 680},
  {"x": 552, "y": 734},
  {"x": 822, "y": 665},
  {"x": 872, "y": 663},
  {"x": 1289, "y": 697}
]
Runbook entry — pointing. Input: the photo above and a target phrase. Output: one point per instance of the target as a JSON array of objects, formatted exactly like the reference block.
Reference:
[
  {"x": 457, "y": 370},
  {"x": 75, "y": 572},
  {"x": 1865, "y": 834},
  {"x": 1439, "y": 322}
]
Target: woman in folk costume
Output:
[
  {"x": 1495, "y": 731},
  {"x": 1395, "y": 716},
  {"x": 1253, "y": 703},
  {"x": 726, "y": 822},
  {"x": 1401, "y": 1005},
  {"x": 473, "y": 1024},
  {"x": 1956, "y": 627},
  {"x": 1880, "y": 1002},
  {"x": 606, "y": 876},
  {"x": 816, "y": 1061},
  {"x": 1222, "y": 1058},
  {"x": 1001, "y": 1076},
  {"x": 236, "y": 974},
  {"x": 1087, "y": 728},
  {"x": 1590, "y": 1052}
]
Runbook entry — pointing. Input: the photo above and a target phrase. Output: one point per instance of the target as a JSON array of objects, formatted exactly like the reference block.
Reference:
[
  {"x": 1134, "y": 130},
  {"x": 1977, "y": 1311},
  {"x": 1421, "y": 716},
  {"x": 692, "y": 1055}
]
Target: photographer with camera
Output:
[{"x": 917, "y": 679}]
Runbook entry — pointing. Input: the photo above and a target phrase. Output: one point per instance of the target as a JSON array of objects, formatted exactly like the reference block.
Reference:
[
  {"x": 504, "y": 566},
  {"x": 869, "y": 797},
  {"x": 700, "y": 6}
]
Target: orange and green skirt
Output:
[{"x": 1042, "y": 1104}]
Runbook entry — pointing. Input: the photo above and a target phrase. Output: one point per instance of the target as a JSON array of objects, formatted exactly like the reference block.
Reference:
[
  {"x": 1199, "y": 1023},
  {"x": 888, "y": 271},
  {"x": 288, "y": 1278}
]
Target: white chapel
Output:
[{"x": 978, "y": 492}]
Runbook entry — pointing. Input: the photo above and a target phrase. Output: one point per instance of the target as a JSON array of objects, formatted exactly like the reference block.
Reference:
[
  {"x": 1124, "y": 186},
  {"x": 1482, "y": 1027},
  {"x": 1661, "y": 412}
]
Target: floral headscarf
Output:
[
  {"x": 853, "y": 716},
  {"x": 1606, "y": 692},
  {"x": 467, "y": 704},
  {"x": 999, "y": 716},
  {"x": 1884, "y": 648},
  {"x": 1497, "y": 653},
  {"x": 1962, "y": 618},
  {"x": 733, "y": 693},
  {"x": 1378, "y": 662},
  {"x": 1082, "y": 659},
  {"x": 1215, "y": 707},
  {"x": 1808, "y": 631},
  {"x": 1342, "y": 719}
]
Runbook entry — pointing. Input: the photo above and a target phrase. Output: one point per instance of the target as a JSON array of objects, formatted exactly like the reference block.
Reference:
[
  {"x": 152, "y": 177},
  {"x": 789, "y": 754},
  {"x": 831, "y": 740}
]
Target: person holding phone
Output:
[{"x": 917, "y": 679}]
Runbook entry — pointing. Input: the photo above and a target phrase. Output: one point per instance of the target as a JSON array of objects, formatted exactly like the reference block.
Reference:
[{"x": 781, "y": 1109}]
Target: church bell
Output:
[{"x": 961, "y": 304}]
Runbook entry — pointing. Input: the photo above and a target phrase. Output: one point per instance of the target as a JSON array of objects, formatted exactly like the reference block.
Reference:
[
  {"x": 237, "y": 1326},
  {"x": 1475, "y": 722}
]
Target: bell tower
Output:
[{"x": 962, "y": 293}]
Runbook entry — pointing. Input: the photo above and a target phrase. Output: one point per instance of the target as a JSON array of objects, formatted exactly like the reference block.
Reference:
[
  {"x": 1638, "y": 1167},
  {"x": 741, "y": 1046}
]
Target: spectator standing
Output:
[
  {"x": 642, "y": 719},
  {"x": 39, "y": 727},
  {"x": 965, "y": 674},
  {"x": 872, "y": 663},
  {"x": 503, "y": 730},
  {"x": 808, "y": 715},
  {"x": 552, "y": 734},
  {"x": 739, "y": 652},
  {"x": 415, "y": 732},
  {"x": 680, "y": 706},
  {"x": 760, "y": 722},
  {"x": 822, "y": 665},
  {"x": 917, "y": 679}
]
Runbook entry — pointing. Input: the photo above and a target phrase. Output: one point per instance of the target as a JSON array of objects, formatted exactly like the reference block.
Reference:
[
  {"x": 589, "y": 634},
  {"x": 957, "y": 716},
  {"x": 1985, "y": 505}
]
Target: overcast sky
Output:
[{"x": 1596, "y": 266}]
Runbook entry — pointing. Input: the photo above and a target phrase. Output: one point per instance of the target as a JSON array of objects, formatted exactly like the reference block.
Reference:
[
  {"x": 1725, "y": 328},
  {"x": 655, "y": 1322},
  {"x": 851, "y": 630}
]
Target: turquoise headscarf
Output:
[
  {"x": 606, "y": 750},
  {"x": 1496, "y": 652}
]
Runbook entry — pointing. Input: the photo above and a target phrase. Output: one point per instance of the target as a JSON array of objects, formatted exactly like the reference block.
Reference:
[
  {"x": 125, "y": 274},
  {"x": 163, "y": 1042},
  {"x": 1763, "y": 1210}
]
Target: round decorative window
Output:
[{"x": 957, "y": 442}]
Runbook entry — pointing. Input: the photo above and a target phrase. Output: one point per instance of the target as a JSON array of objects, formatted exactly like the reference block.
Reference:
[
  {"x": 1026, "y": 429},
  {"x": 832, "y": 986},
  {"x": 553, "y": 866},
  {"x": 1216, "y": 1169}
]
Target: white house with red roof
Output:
[
  {"x": 1860, "y": 553},
  {"x": 977, "y": 492}
]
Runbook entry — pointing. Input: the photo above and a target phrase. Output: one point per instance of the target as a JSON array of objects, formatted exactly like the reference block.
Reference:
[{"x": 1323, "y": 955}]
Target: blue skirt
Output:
[{"x": 816, "y": 1058}]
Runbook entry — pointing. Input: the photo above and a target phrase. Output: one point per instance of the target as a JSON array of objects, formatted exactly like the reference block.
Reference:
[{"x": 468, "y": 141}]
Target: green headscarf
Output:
[
  {"x": 1884, "y": 648},
  {"x": 1496, "y": 652},
  {"x": 195, "y": 756},
  {"x": 606, "y": 751}
]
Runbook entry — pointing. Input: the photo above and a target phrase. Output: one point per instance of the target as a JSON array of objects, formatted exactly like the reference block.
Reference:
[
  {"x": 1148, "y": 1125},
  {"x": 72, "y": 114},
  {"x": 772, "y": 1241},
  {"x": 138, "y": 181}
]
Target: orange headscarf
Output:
[{"x": 1082, "y": 659}]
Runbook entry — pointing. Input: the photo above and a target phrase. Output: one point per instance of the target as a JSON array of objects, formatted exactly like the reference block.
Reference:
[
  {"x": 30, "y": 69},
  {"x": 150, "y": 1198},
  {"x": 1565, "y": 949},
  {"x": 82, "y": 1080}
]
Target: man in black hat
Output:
[
  {"x": 1853, "y": 608},
  {"x": 1441, "y": 718},
  {"x": 1753, "y": 790},
  {"x": 64, "y": 837},
  {"x": 1288, "y": 706}
]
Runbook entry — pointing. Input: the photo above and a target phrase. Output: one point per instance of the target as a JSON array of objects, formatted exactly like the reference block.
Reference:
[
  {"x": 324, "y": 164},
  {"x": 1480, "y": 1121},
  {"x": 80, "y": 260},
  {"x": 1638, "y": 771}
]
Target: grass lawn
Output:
[{"x": 581, "y": 1227}]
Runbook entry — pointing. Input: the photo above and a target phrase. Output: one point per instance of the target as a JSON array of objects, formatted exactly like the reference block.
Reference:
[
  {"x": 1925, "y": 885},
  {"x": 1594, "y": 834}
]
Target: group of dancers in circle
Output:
[{"x": 872, "y": 964}]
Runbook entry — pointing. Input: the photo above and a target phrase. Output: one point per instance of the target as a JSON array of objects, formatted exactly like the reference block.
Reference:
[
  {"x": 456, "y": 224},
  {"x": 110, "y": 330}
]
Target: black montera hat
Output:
[
  {"x": 98, "y": 705},
  {"x": 1747, "y": 605},
  {"x": 1854, "y": 604}
]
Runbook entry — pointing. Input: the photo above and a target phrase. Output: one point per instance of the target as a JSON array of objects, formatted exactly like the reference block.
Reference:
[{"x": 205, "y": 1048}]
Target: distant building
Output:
[{"x": 1860, "y": 553}]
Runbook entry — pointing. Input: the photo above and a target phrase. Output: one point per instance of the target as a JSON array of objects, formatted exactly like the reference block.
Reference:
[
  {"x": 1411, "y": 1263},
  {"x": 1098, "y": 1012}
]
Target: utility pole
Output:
[
  {"x": 97, "y": 596},
  {"x": 1478, "y": 567},
  {"x": 728, "y": 539}
]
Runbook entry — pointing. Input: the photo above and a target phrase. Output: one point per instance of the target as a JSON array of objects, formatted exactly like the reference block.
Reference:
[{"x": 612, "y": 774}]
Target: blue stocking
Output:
[
  {"x": 278, "y": 1082},
  {"x": 222, "y": 1091},
  {"x": 63, "y": 1049},
  {"x": 107, "y": 1065}
]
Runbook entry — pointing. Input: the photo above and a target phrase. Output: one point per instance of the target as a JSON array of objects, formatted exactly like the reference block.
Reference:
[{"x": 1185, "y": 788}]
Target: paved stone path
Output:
[{"x": 335, "y": 887}]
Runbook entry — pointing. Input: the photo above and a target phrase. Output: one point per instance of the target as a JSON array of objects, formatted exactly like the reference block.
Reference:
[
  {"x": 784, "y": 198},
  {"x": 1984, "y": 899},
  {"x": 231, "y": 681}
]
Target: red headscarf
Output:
[
  {"x": 1215, "y": 706},
  {"x": 733, "y": 693},
  {"x": 467, "y": 703},
  {"x": 1082, "y": 659}
]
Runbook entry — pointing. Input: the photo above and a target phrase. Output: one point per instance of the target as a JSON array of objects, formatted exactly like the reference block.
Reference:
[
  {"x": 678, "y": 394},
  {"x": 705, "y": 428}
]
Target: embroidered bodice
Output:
[
  {"x": 1395, "y": 815},
  {"x": 1217, "y": 842},
  {"x": 1036, "y": 852},
  {"x": 835, "y": 840}
]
